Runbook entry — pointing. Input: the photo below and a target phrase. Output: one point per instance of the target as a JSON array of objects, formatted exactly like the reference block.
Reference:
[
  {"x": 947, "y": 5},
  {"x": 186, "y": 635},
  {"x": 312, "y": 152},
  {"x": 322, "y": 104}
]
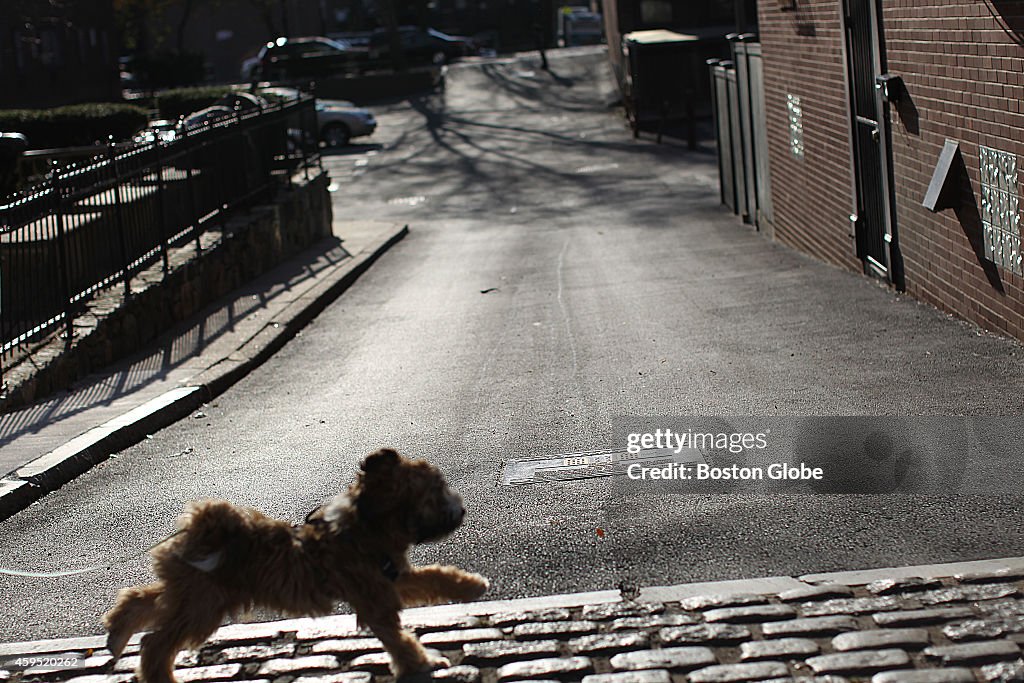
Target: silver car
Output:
[{"x": 337, "y": 121}]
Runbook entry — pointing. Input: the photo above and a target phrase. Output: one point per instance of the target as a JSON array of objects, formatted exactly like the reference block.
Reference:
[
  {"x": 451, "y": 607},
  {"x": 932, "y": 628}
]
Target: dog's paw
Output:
[
  {"x": 438, "y": 661},
  {"x": 433, "y": 661},
  {"x": 476, "y": 585}
]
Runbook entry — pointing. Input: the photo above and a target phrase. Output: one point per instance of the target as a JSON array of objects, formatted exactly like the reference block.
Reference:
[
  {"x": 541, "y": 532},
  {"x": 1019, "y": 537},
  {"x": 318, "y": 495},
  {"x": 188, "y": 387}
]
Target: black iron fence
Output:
[{"x": 99, "y": 222}]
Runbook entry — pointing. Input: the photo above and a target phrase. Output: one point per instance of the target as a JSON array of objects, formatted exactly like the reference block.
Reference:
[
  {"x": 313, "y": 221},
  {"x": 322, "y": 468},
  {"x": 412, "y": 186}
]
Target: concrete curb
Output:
[
  {"x": 446, "y": 614},
  {"x": 54, "y": 469}
]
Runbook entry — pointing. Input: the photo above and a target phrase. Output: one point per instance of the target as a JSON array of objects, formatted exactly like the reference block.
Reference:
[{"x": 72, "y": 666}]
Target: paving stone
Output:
[
  {"x": 955, "y": 675},
  {"x": 999, "y": 576},
  {"x": 860, "y": 662},
  {"x": 511, "y": 618},
  {"x": 734, "y": 673},
  {"x": 458, "y": 674},
  {"x": 346, "y": 677},
  {"x": 468, "y": 635},
  {"x": 89, "y": 678},
  {"x": 906, "y": 585},
  {"x": 841, "y": 606},
  {"x": 346, "y": 647},
  {"x": 922, "y": 617},
  {"x": 967, "y": 594},
  {"x": 1004, "y": 672},
  {"x": 704, "y": 634},
  {"x": 322, "y": 629},
  {"x": 131, "y": 662},
  {"x": 633, "y": 623},
  {"x": 218, "y": 672},
  {"x": 240, "y": 634},
  {"x": 811, "y": 593},
  {"x": 547, "y": 629},
  {"x": 500, "y": 652},
  {"x": 703, "y": 602},
  {"x": 644, "y": 676},
  {"x": 446, "y": 624},
  {"x": 780, "y": 648},
  {"x": 811, "y": 627},
  {"x": 750, "y": 614},
  {"x": 556, "y": 667},
  {"x": 909, "y": 638},
  {"x": 1002, "y": 608},
  {"x": 608, "y": 643},
  {"x": 280, "y": 667},
  {"x": 380, "y": 662},
  {"x": 249, "y": 653},
  {"x": 974, "y": 653},
  {"x": 672, "y": 658},
  {"x": 979, "y": 629},
  {"x": 616, "y": 610}
]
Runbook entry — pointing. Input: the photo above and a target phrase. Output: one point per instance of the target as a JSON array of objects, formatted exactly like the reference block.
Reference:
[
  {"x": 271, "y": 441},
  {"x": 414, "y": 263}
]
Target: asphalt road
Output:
[{"x": 560, "y": 282}]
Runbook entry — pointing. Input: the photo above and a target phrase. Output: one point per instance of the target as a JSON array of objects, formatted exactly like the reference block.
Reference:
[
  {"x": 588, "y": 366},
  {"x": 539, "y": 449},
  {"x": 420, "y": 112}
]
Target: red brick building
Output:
[{"x": 861, "y": 97}]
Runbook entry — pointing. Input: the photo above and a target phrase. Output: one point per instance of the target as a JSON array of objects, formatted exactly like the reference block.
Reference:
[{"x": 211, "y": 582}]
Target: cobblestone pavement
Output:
[{"x": 965, "y": 627}]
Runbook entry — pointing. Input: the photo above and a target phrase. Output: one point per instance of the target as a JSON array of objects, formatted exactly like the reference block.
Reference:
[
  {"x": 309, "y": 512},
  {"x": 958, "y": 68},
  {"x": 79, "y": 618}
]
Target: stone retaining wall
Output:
[{"x": 113, "y": 326}]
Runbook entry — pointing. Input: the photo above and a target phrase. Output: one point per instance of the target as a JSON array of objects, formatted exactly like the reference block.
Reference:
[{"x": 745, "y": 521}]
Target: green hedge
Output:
[
  {"x": 72, "y": 125},
  {"x": 174, "y": 103}
]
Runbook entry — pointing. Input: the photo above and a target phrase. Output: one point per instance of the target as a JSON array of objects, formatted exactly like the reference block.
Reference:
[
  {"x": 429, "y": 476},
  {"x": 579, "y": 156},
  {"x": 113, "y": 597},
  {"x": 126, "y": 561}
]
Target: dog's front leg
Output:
[
  {"x": 437, "y": 583},
  {"x": 407, "y": 654}
]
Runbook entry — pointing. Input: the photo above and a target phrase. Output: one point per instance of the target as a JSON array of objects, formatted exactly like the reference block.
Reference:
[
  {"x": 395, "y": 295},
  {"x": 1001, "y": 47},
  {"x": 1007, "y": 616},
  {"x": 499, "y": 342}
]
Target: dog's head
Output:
[{"x": 402, "y": 495}]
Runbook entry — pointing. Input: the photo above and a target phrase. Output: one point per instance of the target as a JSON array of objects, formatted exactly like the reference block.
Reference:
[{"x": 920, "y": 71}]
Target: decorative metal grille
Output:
[
  {"x": 1000, "y": 208},
  {"x": 796, "y": 125}
]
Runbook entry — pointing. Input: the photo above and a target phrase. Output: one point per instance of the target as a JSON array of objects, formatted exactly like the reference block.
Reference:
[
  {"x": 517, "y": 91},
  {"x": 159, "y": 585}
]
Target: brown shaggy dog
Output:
[{"x": 226, "y": 560}]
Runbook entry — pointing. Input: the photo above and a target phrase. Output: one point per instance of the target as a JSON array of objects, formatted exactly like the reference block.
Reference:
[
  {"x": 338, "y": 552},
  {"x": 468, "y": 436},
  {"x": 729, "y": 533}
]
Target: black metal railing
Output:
[{"x": 99, "y": 222}]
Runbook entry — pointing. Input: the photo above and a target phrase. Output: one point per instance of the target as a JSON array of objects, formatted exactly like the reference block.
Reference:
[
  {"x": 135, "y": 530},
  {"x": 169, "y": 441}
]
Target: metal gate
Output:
[{"x": 873, "y": 218}]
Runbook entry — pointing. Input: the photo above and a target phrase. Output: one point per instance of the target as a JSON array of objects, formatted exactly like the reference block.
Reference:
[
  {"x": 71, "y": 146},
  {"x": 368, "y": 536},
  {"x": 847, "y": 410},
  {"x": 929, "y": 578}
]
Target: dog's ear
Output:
[{"x": 379, "y": 460}]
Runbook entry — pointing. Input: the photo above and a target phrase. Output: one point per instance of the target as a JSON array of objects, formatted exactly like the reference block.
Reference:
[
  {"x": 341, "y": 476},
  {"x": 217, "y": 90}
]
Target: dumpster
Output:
[{"x": 665, "y": 80}]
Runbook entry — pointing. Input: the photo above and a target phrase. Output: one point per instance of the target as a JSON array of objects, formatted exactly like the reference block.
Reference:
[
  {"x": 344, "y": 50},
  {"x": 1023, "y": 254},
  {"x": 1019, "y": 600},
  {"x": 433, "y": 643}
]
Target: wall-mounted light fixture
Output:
[
  {"x": 786, "y": 4},
  {"x": 891, "y": 86}
]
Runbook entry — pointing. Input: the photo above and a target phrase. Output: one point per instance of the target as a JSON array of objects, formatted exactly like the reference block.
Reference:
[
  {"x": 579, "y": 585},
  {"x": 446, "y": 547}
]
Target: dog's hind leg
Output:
[
  {"x": 180, "y": 626},
  {"x": 438, "y": 583},
  {"x": 134, "y": 611}
]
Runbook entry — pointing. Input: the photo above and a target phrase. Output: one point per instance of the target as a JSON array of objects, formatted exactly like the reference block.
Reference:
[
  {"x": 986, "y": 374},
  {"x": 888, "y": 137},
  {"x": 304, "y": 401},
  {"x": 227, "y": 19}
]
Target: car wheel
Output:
[{"x": 336, "y": 135}]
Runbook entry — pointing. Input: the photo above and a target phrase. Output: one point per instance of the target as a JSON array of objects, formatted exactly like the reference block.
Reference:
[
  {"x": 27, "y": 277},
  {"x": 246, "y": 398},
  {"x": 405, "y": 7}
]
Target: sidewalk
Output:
[
  {"x": 49, "y": 443},
  {"x": 948, "y": 623}
]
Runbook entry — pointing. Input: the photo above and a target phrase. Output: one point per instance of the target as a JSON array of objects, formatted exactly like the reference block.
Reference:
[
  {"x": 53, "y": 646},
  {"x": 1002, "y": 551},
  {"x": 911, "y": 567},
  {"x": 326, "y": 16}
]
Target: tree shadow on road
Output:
[{"x": 532, "y": 129}]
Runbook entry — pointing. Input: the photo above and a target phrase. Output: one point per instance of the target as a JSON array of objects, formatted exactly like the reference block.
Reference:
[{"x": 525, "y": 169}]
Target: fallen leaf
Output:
[{"x": 600, "y": 532}]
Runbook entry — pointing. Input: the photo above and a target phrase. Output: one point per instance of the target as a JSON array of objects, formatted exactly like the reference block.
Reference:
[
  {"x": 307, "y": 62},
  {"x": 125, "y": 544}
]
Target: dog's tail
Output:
[
  {"x": 133, "y": 612},
  {"x": 210, "y": 533}
]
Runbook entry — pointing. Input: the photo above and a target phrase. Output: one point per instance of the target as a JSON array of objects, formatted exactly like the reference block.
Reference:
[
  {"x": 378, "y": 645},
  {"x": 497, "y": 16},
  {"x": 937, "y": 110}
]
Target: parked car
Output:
[
  {"x": 337, "y": 121},
  {"x": 163, "y": 130},
  {"x": 308, "y": 57},
  {"x": 421, "y": 45},
  {"x": 206, "y": 117}
]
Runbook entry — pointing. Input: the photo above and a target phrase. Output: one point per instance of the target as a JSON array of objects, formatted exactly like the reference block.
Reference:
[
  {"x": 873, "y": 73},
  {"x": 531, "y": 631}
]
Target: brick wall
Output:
[
  {"x": 965, "y": 80},
  {"x": 963, "y": 65},
  {"x": 811, "y": 196}
]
